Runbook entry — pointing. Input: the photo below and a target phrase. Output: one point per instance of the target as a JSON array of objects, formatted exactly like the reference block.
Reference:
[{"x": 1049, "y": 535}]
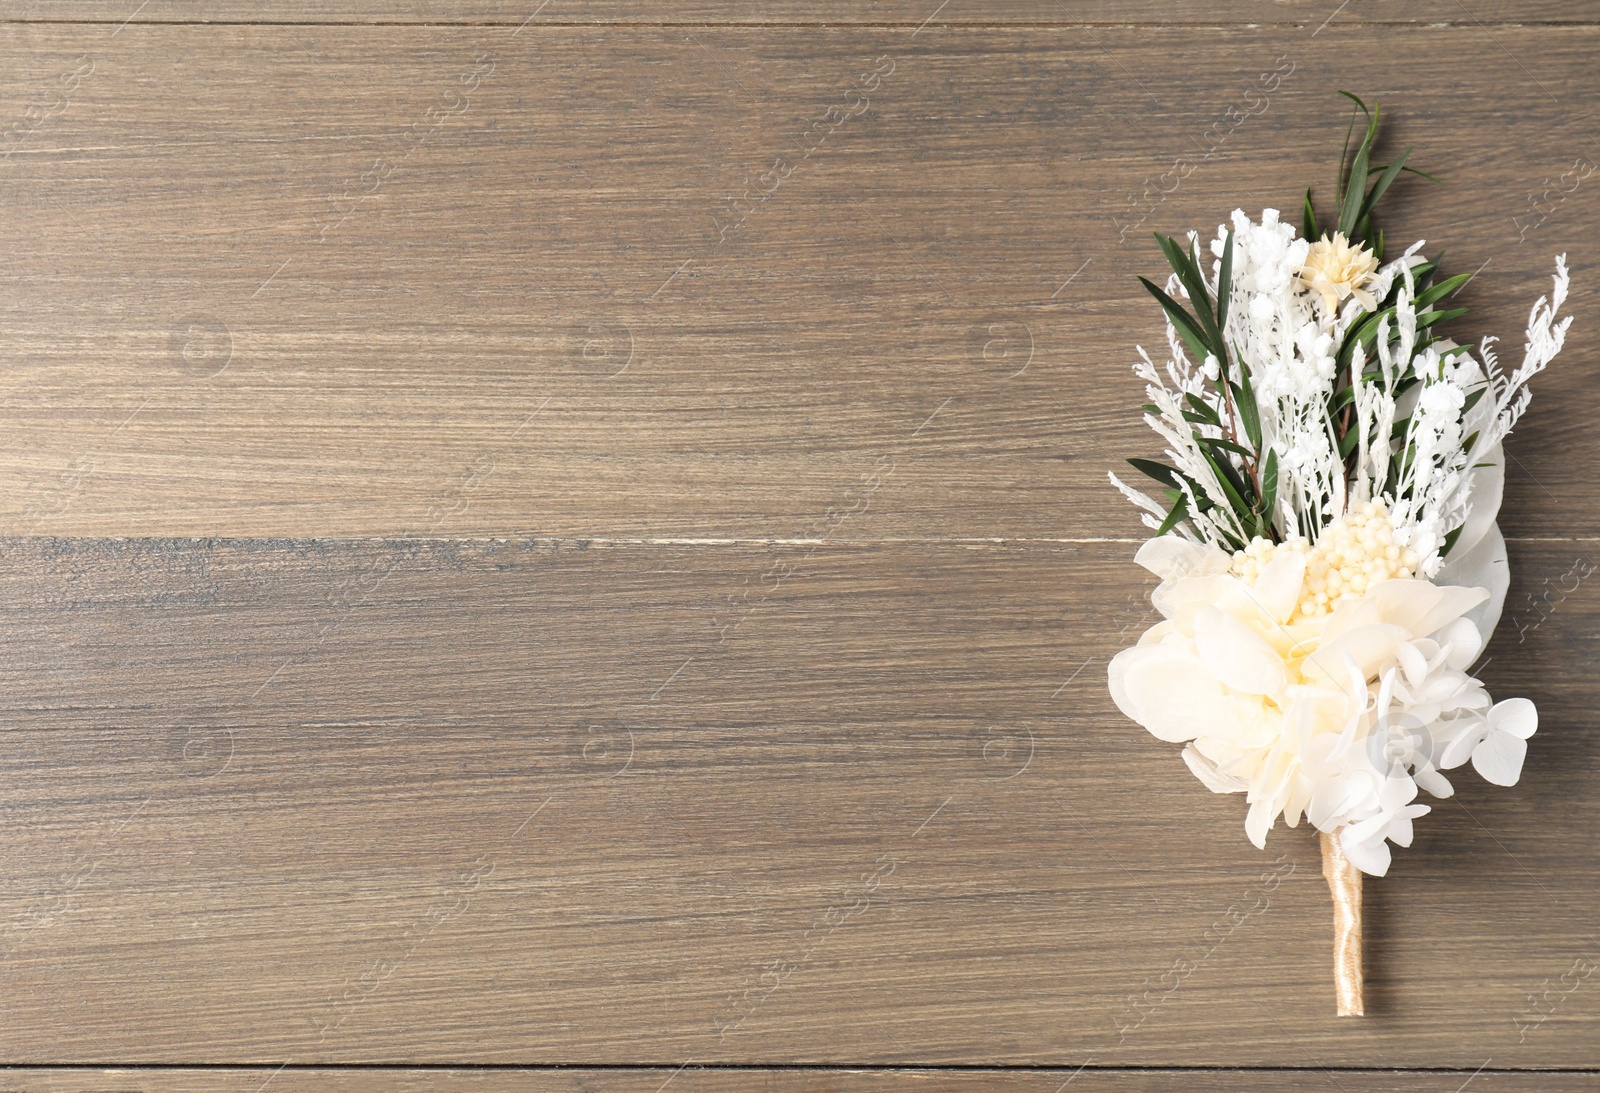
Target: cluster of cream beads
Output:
[{"x": 1353, "y": 554}]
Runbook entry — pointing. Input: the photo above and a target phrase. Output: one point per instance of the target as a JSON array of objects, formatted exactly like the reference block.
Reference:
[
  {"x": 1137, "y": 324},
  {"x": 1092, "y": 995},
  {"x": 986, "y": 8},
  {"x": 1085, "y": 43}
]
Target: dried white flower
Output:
[
  {"x": 1307, "y": 657},
  {"x": 1337, "y": 271},
  {"x": 1338, "y": 715}
]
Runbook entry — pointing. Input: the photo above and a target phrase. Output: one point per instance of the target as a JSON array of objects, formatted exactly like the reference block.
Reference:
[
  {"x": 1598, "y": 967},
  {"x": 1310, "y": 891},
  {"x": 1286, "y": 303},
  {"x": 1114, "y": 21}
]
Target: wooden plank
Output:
[
  {"x": 400, "y": 291},
  {"x": 692, "y": 1080},
  {"x": 567, "y": 804},
  {"x": 913, "y": 13}
]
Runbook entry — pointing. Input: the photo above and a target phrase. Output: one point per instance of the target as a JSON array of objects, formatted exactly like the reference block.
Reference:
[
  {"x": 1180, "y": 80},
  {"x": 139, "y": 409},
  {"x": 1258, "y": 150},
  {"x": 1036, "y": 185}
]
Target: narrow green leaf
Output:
[
  {"x": 1246, "y": 405},
  {"x": 1308, "y": 219},
  {"x": 1444, "y": 288},
  {"x": 1354, "y": 193},
  {"x": 1189, "y": 330},
  {"x": 1269, "y": 485},
  {"x": 1162, "y": 473},
  {"x": 1183, "y": 264},
  {"x": 1225, "y": 284},
  {"x": 1385, "y": 180},
  {"x": 1353, "y": 98},
  {"x": 1347, "y": 443},
  {"x": 1224, "y": 444},
  {"x": 1450, "y": 540},
  {"x": 1203, "y": 410},
  {"x": 1431, "y": 318},
  {"x": 1233, "y": 486},
  {"x": 1176, "y": 516},
  {"x": 1344, "y": 155}
]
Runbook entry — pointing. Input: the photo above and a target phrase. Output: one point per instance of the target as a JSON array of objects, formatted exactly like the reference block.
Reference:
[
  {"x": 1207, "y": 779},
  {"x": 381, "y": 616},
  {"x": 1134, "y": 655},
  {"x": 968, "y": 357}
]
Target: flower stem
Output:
[{"x": 1344, "y": 881}]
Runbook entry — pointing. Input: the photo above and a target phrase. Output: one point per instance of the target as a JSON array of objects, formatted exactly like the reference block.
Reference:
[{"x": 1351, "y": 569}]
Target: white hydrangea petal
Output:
[
  {"x": 1400, "y": 831},
  {"x": 1396, "y": 793},
  {"x": 1463, "y": 642},
  {"x": 1517, "y": 716},
  {"x": 1459, "y": 749},
  {"x": 1434, "y": 782},
  {"x": 1372, "y": 858},
  {"x": 1413, "y": 664},
  {"x": 1499, "y": 758},
  {"x": 1336, "y": 798}
]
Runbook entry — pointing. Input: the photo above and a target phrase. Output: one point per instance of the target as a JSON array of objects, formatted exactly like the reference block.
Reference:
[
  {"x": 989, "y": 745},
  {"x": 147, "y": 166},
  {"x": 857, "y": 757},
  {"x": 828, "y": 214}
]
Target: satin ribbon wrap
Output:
[{"x": 1344, "y": 882}]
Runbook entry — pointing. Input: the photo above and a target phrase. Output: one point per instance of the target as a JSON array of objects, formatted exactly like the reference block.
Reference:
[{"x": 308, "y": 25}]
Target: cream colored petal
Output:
[
  {"x": 1179, "y": 600},
  {"x": 1351, "y": 614},
  {"x": 1158, "y": 632},
  {"x": 1205, "y": 770},
  {"x": 1278, "y": 587},
  {"x": 1171, "y": 557},
  {"x": 1369, "y": 646},
  {"x": 1238, "y": 656},
  {"x": 1413, "y": 663},
  {"x": 1258, "y": 821},
  {"x": 1423, "y": 607},
  {"x": 1169, "y": 691}
]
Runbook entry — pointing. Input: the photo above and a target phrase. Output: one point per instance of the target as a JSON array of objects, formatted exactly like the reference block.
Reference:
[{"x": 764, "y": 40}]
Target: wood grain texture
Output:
[
  {"x": 486, "y": 281},
  {"x": 692, "y": 1080},
  {"x": 913, "y": 13},
  {"x": 567, "y": 804},
  {"x": 629, "y": 612}
]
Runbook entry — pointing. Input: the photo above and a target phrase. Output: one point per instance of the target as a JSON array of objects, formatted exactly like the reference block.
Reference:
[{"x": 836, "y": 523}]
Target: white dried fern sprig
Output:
[
  {"x": 1546, "y": 336},
  {"x": 1508, "y": 395}
]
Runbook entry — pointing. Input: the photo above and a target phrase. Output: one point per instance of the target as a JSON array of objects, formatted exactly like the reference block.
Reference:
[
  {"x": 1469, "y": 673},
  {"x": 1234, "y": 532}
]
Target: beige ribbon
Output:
[{"x": 1344, "y": 881}]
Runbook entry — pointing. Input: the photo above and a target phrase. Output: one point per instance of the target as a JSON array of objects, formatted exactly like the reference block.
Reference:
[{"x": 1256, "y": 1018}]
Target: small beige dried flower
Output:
[{"x": 1337, "y": 271}]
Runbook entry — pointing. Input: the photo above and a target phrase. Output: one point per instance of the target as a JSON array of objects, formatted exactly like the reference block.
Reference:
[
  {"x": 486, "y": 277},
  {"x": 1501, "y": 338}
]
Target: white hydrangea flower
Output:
[{"x": 1339, "y": 717}]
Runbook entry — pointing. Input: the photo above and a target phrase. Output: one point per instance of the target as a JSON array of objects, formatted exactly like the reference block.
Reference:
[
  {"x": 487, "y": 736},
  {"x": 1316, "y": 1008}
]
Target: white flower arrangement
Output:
[{"x": 1329, "y": 561}]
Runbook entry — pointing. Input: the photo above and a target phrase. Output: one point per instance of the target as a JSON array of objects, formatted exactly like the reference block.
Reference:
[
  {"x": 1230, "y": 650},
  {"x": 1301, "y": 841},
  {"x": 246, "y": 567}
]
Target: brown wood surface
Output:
[
  {"x": 692, "y": 1080},
  {"x": 554, "y": 249},
  {"x": 474, "y": 593},
  {"x": 564, "y": 803},
  {"x": 913, "y": 13}
]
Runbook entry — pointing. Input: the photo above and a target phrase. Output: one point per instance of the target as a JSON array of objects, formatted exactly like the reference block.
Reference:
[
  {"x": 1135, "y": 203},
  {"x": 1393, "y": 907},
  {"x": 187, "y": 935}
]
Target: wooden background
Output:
[{"x": 524, "y": 570}]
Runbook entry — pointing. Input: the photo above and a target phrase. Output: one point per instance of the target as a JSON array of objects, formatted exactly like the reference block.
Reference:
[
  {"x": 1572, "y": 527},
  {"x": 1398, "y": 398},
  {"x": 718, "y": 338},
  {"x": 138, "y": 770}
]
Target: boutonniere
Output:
[{"x": 1325, "y": 532}]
